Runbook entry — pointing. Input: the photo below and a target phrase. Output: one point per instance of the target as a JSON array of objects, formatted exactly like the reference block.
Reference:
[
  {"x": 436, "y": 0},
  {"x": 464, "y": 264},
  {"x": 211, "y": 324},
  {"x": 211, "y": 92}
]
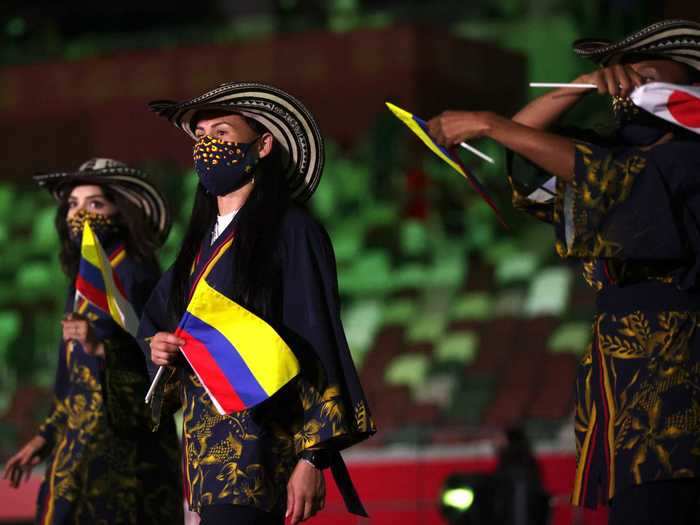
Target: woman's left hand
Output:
[
  {"x": 306, "y": 492},
  {"x": 452, "y": 127},
  {"x": 77, "y": 328}
]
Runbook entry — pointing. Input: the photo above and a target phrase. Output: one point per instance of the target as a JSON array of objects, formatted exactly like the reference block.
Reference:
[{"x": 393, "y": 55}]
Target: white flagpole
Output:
[
  {"x": 154, "y": 384},
  {"x": 476, "y": 152},
  {"x": 562, "y": 85}
]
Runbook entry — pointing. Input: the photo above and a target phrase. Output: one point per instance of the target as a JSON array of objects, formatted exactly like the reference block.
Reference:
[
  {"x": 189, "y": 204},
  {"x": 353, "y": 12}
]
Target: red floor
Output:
[{"x": 395, "y": 492}]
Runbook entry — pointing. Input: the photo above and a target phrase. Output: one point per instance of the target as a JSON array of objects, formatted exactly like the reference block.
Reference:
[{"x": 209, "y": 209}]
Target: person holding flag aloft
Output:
[
  {"x": 104, "y": 463},
  {"x": 248, "y": 317},
  {"x": 628, "y": 207}
]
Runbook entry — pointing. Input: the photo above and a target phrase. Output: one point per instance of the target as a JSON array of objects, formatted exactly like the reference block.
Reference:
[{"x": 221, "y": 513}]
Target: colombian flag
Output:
[
  {"x": 420, "y": 128},
  {"x": 98, "y": 285},
  {"x": 239, "y": 358}
]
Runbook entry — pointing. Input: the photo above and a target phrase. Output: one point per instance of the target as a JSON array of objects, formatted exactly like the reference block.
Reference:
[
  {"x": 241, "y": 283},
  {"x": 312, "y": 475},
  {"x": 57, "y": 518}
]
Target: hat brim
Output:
[
  {"x": 677, "y": 40},
  {"x": 128, "y": 182},
  {"x": 290, "y": 122}
]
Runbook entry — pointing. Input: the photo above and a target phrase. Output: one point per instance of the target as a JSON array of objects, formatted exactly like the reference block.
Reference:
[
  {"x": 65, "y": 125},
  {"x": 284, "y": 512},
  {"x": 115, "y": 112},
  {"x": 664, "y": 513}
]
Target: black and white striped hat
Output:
[
  {"x": 677, "y": 40},
  {"x": 290, "y": 122},
  {"x": 120, "y": 178}
]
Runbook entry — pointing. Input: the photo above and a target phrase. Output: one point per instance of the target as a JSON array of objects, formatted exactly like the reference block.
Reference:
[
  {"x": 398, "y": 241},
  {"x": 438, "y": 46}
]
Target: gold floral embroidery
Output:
[
  {"x": 309, "y": 435},
  {"x": 648, "y": 438},
  {"x": 94, "y": 465},
  {"x": 223, "y": 452},
  {"x": 656, "y": 430}
]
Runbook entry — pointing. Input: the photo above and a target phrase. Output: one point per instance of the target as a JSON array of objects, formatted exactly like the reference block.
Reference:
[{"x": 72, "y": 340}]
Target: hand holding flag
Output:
[
  {"x": 77, "y": 327},
  {"x": 97, "y": 286},
  {"x": 420, "y": 128},
  {"x": 239, "y": 359}
]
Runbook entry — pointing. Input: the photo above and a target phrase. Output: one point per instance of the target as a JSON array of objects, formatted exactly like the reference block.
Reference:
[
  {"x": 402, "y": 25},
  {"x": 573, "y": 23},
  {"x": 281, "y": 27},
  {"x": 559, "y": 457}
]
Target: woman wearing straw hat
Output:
[
  {"x": 628, "y": 207},
  {"x": 259, "y": 155},
  {"x": 104, "y": 463}
]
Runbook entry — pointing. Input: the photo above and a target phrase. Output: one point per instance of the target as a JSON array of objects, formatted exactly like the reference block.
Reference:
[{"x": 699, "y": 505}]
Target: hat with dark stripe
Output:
[
  {"x": 677, "y": 40},
  {"x": 290, "y": 122},
  {"x": 120, "y": 178}
]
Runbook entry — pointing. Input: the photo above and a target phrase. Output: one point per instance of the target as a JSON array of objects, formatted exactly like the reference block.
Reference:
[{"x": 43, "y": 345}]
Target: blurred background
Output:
[{"x": 461, "y": 330}]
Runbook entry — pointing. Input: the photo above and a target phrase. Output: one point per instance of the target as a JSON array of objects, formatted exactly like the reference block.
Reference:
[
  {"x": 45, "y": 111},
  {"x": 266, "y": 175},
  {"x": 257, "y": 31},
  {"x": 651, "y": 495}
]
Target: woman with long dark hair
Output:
[
  {"x": 258, "y": 154},
  {"x": 104, "y": 463}
]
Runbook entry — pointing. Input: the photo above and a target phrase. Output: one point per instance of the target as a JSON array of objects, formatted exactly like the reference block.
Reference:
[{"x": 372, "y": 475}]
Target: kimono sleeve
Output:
[
  {"x": 55, "y": 422},
  {"x": 534, "y": 190},
  {"x": 530, "y": 188},
  {"x": 619, "y": 205},
  {"x": 336, "y": 414}
]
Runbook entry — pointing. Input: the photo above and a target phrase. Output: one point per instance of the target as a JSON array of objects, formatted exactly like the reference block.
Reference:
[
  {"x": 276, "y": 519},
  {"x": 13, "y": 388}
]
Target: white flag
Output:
[{"x": 673, "y": 102}]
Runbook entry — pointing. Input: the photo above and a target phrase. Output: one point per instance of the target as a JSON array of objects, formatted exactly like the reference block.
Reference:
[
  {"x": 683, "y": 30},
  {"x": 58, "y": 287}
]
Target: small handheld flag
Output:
[
  {"x": 419, "y": 127},
  {"x": 675, "y": 103},
  {"x": 98, "y": 285},
  {"x": 239, "y": 358}
]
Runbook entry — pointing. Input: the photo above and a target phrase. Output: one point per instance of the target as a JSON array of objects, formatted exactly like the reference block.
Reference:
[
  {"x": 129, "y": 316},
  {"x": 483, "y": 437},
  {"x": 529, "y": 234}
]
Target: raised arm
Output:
[
  {"x": 525, "y": 133},
  {"x": 544, "y": 111}
]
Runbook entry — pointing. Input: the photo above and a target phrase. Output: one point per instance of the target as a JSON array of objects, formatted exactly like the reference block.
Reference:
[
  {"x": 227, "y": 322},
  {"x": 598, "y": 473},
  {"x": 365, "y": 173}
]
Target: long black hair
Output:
[
  {"x": 257, "y": 232},
  {"x": 140, "y": 239}
]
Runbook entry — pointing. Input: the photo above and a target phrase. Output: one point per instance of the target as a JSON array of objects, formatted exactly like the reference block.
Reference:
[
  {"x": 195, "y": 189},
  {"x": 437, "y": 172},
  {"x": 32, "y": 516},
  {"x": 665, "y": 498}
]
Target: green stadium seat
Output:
[
  {"x": 571, "y": 337},
  {"x": 410, "y": 275},
  {"x": 458, "y": 348},
  {"x": 4, "y": 233},
  {"x": 368, "y": 275},
  {"x": 362, "y": 321},
  {"x": 44, "y": 238},
  {"x": 549, "y": 292},
  {"x": 37, "y": 280},
  {"x": 476, "y": 306},
  {"x": 516, "y": 267},
  {"x": 347, "y": 242},
  {"x": 500, "y": 250},
  {"x": 7, "y": 198},
  {"x": 381, "y": 214},
  {"x": 408, "y": 370},
  {"x": 399, "y": 311},
  {"x": 449, "y": 270},
  {"x": 428, "y": 326},
  {"x": 10, "y": 324},
  {"x": 414, "y": 238}
]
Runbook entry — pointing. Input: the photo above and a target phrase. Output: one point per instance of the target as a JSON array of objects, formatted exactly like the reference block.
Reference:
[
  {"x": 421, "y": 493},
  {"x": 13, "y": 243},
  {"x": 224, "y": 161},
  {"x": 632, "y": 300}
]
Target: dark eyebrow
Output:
[
  {"x": 88, "y": 198},
  {"x": 215, "y": 125}
]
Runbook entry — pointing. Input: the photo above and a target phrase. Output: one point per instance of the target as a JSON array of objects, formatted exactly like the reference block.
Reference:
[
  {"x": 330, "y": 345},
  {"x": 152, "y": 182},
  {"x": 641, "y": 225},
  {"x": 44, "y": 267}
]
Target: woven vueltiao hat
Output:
[
  {"x": 677, "y": 40},
  {"x": 290, "y": 122},
  {"x": 120, "y": 178}
]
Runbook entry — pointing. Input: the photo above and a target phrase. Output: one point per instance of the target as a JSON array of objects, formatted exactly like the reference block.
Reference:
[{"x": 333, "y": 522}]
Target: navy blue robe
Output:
[
  {"x": 632, "y": 216},
  {"x": 105, "y": 465},
  {"x": 246, "y": 458}
]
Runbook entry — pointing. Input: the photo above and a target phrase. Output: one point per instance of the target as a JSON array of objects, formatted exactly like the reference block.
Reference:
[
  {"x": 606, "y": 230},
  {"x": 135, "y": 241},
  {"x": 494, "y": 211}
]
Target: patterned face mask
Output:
[
  {"x": 624, "y": 109},
  {"x": 635, "y": 126},
  {"x": 104, "y": 227},
  {"x": 223, "y": 167}
]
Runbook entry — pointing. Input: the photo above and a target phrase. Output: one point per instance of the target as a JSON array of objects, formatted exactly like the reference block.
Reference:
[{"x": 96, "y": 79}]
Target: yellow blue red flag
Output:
[
  {"x": 420, "y": 128},
  {"x": 98, "y": 284},
  {"x": 238, "y": 357}
]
